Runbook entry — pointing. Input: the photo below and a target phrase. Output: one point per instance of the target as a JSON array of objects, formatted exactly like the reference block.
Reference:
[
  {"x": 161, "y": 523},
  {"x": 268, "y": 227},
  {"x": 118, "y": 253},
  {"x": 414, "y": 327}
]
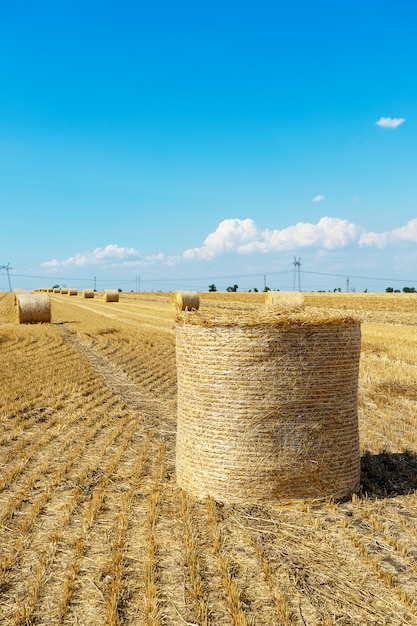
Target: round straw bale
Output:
[
  {"x": 57, "y": 290},
  {"x": 88, "y": 293},
  {"x": 267, "y": 406},
  {"x": 33, "y": 307},
  {"x": 185, "y": 301},
  {"x": 64, "y": 290},
  {"x": 72, "y": 292},
  {"x": 284, "y": 301},
  {"x": 111, "y": 296}
]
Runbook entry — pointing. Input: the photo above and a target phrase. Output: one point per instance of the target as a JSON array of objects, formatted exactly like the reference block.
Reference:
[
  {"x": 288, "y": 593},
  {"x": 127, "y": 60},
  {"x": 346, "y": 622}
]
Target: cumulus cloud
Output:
[
  {"x": 407, "y": 232},
  {"x": 229, "y": 236},
  {"x": 377, "y": 240},
  {"x": 112, "y": 253},
  {"x": 243, "y": 237},
  {"x": 390, "y": 122},
  {"x": 402, "y": 234},
  {"x": 318, "y": 198}
]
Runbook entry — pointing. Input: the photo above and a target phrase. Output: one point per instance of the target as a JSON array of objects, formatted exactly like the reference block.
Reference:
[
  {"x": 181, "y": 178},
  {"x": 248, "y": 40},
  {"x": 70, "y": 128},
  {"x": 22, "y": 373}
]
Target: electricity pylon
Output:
[
  {"x": 7, "y": 268},
  {"x": 297, "y": 265}
]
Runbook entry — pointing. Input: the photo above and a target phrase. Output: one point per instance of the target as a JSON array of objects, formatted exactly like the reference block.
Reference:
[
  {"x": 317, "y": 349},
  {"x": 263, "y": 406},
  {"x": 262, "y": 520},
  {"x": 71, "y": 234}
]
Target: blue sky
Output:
[{"x": 174, "y": 145}]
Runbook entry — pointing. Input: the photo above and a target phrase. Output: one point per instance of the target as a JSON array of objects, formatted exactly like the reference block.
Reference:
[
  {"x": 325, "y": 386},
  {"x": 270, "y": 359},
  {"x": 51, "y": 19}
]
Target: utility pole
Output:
[
  {"x": 297, "y": 265},
  {"x": 264, "y": 282},
  {"x": 347, "y": 284},
  {"x": 7, "y": 268},
  {"x": 137, "y": 282}
]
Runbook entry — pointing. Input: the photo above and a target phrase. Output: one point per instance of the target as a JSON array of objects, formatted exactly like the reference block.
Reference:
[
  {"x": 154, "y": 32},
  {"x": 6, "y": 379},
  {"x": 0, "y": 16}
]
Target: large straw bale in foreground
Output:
[
  {"x": 33, "y": 307},
  {"x": 267, "y": 406},
  {"x": 111, "y": 296},
  {"x": 186, "y": 301}
]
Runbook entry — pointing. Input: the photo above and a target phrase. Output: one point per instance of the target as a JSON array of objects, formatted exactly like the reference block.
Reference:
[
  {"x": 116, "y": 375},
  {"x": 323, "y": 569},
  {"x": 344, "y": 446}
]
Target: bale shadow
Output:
[{"x": 388, "y": 474}]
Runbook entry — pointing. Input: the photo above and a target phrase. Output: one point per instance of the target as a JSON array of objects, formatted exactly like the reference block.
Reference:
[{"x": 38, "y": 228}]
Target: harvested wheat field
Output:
[{"x": 94, "y": 529}]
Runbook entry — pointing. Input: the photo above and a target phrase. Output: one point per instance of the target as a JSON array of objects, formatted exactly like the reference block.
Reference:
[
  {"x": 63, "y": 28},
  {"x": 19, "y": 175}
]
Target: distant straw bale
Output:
[
  {"x": 267, "y": 406},
  {"x": 88, "y": 293},
  {"x": 33, "y": 307},
  {"x": 186, "y": 301},
  {"x": 72, "y": 292},
  {"x": 57, "y": 290},
  {"x": 111, "y": 296},
  {"x": 281, "y": 301},
  {"x": 64, "y": 290}
]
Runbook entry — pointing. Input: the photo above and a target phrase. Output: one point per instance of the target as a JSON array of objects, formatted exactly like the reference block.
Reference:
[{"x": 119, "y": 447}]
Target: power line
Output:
[
  {"x": 140, "y": 280},
  {"x": 391, "y": 280}
]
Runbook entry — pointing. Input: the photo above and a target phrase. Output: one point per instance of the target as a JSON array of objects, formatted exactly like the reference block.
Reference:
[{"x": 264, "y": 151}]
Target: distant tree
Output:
[
  {"x": 266, "y": 289},
  {"x": 255, "y": 289},
  {"x": 234, "y": 288},
  {"x": 337, "y": 289},
  {"x": 389, "y": 290},
  {"x": 409, "y": 289},
  {"x": 55, "y": 287},
  {"x": 119, "y": 290},
  {"x": 212, "y": 288}
]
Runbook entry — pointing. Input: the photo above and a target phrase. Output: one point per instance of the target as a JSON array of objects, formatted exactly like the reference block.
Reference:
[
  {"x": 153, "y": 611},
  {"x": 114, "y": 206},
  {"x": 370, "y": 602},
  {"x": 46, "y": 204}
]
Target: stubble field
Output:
[{"x": 95, "y": 531}]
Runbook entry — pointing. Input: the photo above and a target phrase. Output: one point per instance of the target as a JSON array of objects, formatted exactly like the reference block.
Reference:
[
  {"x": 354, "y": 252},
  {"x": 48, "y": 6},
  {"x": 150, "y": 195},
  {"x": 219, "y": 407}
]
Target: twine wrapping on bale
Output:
[
  {"x": 267, "y": 406},
  {"x": 111, "y": 296},
  {"x": 88, "y": 293},
  {"x": 72, "y": 292},
  {"x": 186, "y": 301},
  {"x": 33, "y": 307},
  {"x": 282, "y": 301}
]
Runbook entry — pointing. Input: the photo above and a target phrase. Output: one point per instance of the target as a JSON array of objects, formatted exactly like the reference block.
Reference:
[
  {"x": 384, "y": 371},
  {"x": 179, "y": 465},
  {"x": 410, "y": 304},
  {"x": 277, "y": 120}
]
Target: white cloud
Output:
[
  {"x": 390, "y": 122},
  {"x": 243, "y": 237},
  {"x": 99, "y": 256},
  {"x": 318, "y": 198},
  {"x": 236, "y": 238},
  {"x": 402, "y": 234},
  {"x": 230, "y": 235},
  {"x": 377, "y": 240},
  {"x": 407, "y": 232}
]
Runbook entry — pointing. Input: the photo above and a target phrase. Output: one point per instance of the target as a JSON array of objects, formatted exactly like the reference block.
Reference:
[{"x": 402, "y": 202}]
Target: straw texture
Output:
[
  {"x": 186, "y": 301},
  {"x": 284, "y": 301},
  {"x": 88, "y": 293},
  {"x": 72, "y": 292},
  {"x": 64, "y": 290},
  {"x": 111, "y": 296},
  {"x": 33, "y": 307},
  {"x": 267, "y": 407}
]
